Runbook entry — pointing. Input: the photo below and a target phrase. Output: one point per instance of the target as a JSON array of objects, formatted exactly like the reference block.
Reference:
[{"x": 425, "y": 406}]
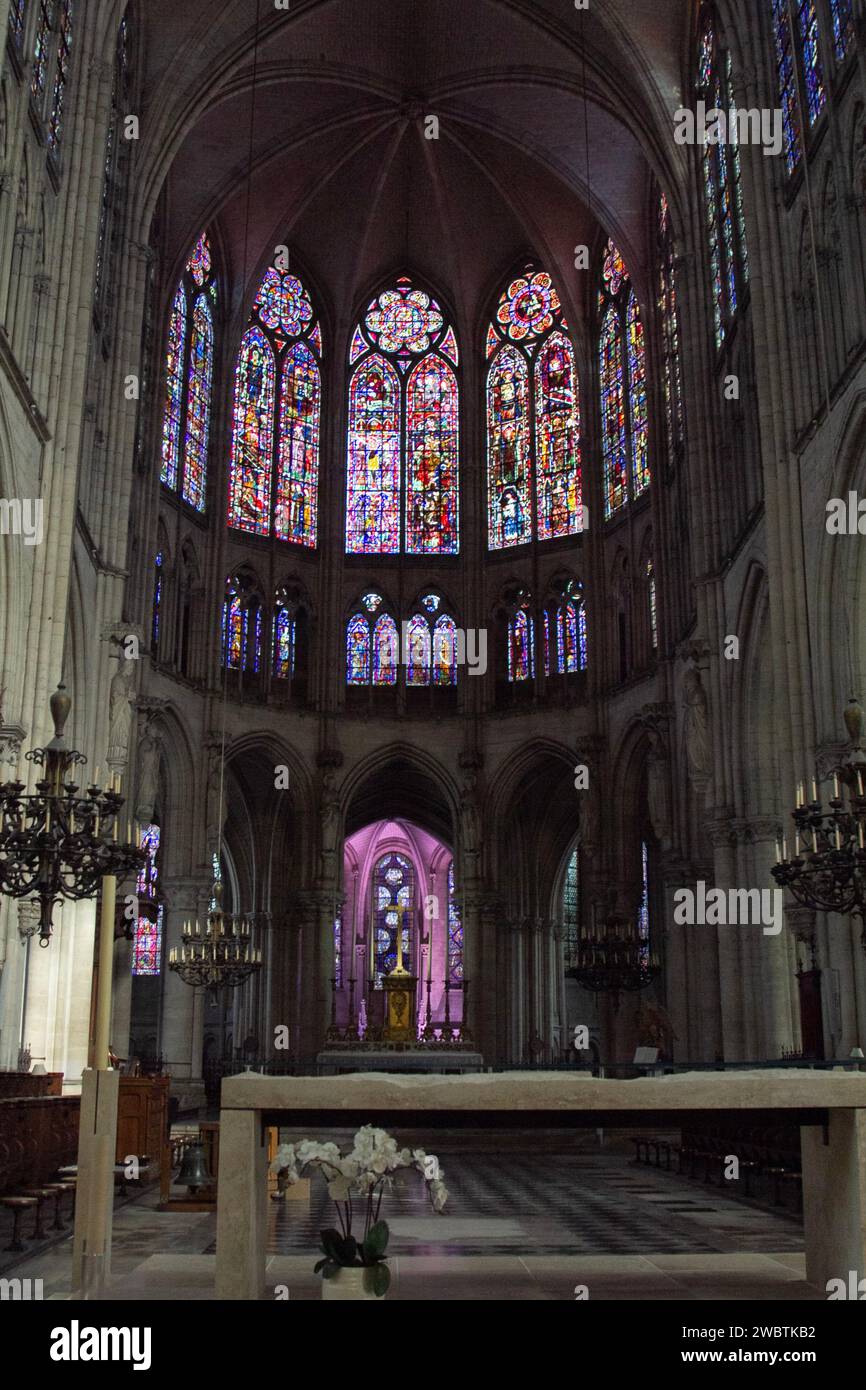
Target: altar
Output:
[{"x": 829, "y": 1107}]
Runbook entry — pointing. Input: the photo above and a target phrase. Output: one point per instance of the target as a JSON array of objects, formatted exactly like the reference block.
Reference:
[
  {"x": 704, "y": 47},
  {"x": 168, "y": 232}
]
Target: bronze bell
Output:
[{"x": 193, "y": 1169}]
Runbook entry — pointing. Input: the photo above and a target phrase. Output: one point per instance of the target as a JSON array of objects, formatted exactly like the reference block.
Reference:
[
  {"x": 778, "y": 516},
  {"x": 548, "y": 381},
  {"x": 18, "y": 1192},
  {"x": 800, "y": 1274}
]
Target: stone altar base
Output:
[
  {"x": 829, "y": 1107},
  {"x": 405, "y": 1058}
]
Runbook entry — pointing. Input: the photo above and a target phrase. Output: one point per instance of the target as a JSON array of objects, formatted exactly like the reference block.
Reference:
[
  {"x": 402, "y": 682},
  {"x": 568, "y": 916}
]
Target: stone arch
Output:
[{"x": 840, "y": 640}]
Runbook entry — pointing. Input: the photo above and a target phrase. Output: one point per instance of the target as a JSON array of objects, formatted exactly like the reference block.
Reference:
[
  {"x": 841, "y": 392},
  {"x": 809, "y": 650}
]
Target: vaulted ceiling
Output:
[{"x": 551, "y": 122}]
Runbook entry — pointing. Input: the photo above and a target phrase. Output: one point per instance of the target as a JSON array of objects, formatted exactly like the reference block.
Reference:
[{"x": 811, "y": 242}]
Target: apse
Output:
[{"x": 401, "y": 905}]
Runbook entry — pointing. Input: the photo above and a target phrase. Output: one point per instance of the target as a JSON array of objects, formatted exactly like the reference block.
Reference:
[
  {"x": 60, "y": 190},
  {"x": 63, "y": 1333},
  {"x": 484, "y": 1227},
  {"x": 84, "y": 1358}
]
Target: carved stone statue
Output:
[
  {"x": 658, "y": 797},
  {"x": 470, "y": 827},
  {"x": 148, "y": 776},
  {"x": 329, "y": 821},
  {"x": 121, "y": 703},
  {"x": 214, "y": 784},
  {"x": 699, "y": 753}
]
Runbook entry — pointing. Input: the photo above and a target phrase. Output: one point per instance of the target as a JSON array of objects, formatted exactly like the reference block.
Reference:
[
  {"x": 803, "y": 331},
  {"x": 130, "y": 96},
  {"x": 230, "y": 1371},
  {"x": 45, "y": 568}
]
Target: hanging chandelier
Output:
[
  {"x": 611, "y": 957},
  {"x": 60, "y": 840},
  {"x": 827, "y": 871},
  {"x": 220, "y": 957}
]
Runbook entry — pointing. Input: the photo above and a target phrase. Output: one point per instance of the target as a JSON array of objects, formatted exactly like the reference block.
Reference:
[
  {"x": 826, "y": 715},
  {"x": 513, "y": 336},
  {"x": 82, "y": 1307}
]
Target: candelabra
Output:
[
  {"x": 828, "y": 869},
  {"x": 611, "y": 957},
  {"x": 59, "y": 841},
  {"x": 220, "y": 956}
]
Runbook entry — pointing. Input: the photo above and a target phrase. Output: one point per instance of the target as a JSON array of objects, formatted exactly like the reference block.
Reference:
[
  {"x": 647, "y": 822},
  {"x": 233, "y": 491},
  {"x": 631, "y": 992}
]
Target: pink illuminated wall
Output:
[{"x": 430, "y": 859}]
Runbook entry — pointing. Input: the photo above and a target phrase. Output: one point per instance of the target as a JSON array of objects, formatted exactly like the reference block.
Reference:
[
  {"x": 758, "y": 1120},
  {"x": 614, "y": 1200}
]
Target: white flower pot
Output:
[{"x": 354, "y": 1284}]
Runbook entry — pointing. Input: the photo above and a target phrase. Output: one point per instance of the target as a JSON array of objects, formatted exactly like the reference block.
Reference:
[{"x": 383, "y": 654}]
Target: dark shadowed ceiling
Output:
[{"x": 551, "y": 121}]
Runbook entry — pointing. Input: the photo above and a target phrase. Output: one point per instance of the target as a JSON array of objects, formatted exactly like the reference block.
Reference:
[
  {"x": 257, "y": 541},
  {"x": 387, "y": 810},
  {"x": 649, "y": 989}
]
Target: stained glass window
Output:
[
  {"x": 393, "y": 899},
  {"x": 373, "y": 481},
  {"x": 431, "y": 459},
  {"x": 455, "y": 930},
  {"x": 173, "y": 413},
  {"x": 843, "y": 28},
  {"x": 786, "y": 76},
  {"x": 622, "y": 376},
  {"x": 17, "y": 16},
  {"x": 42, "y": 49},
  {"x": 147, "y": 943},
  {"x": 358, "y": 651},
  {"x": 533, "y": 434},
  {"x": 508, "y": 463},
  {"x": 157, "y": 603},
  {"x": 643, "y": 913},
  {"x": 557, "y": 440},
  {"x": 813, "y": 68},
  {"x": 419, "y": 651},
  {"x": 217, "y": 879},
  {"x": 545, "y": 640},
  {"x": 61, "y": 75},
  {"x": 653, "y": 612},
  {"x": 338, "y": 952},
  {"x": 274, "y": 464},
  {"x": 198, "y": 404},
  {"x": 386, "y": 651},
  {"x": 668, "y": 308},
  {"x": 189, "y": 380},
  {"x": 571, "y": 896},
  {"x": 582, "y": 634},
  {"x": 242, "y": 626},
  {"x": 637, "y": 399},
  {"x": 253, "y": 436},
  {"x": 521, "y": 647},
  {"x": 403, "y": 440},
  {"x": 613, "y": 423},
  {"x": 295, "y": 517},
  {"x": 285, "y": 637},
  {"x": 445, "y": 651},
  {"x": 724, "y": 211}
]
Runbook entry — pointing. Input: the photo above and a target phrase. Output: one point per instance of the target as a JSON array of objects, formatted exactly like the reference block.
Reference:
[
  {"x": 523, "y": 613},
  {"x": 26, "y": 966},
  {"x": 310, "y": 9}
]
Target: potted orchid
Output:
[{"x": 355, "y": 1253}]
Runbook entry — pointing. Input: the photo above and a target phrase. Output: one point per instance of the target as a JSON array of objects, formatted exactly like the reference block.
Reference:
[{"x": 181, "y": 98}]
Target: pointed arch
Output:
[{"x": 386, "y": 651}]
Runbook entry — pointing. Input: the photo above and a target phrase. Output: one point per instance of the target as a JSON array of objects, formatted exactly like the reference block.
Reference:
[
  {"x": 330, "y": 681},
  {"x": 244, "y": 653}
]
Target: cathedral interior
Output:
[{"x": 430, "y": 452}]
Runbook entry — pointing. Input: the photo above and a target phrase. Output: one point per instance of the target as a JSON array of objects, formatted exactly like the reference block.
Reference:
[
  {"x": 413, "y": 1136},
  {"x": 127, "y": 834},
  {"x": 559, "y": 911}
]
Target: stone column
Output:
[
  {"x": 721, "y": 832},
  {"x": 177, "y": 1032},
  {"x": 834, "y": 1199},
  {"x": 316, "y": 917},
  {"x": 780, "y": 1006}
]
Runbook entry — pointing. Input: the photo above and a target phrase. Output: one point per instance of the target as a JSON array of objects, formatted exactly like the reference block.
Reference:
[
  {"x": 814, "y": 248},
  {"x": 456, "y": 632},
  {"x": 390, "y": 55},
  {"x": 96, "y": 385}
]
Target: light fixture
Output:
[
  {"x": 827, "y": 871},
  {"x": 221, "y": 956},
  {"x": 59, "y": 841},
  {"x": 610, "y": 957}
]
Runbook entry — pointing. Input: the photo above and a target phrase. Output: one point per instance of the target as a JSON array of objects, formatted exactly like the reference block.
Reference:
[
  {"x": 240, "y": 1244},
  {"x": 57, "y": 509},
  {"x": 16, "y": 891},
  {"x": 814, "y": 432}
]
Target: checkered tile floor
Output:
[{"x": 510, "y": 1203}]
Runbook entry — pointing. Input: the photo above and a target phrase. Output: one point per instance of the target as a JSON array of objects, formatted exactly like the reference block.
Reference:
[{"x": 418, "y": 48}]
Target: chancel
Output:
[{"x": 432, "y": 761}]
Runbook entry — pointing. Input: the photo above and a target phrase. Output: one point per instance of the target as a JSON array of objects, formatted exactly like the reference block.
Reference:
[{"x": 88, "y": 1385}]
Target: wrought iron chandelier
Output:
[
  {"x": 60, "y": 840},
  {"x": 222, "y": 956},
  {"x": 827, "y": 871},
  {"x": 610, "y": 957}
]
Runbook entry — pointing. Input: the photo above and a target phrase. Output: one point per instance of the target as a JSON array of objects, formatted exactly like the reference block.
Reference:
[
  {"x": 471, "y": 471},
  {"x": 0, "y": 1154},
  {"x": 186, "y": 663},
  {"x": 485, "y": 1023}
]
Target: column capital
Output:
[{"x": 11, "y": 738}]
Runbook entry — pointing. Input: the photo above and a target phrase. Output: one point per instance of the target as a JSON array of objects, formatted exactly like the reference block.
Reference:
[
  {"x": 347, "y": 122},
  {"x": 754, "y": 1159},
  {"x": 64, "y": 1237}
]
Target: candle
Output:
[
  {"x": 860, "y": 833},
  {"x": 784, "y": 847},
  {"x": 778, "y": 852},
  {"x": 838, "y": 841},
  {"x": 800, "y": 794},
  {"x": 836, "y": 785},
  {"x": 814, "y": 790}
]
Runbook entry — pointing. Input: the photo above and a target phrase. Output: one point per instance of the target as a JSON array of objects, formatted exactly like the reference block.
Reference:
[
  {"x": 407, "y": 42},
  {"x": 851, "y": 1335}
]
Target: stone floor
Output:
[{"x": 519, "y": 1225}]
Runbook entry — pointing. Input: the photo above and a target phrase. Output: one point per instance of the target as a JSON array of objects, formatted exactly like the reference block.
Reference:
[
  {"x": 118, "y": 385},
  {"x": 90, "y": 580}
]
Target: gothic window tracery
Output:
[
  {"x": 402, "y": 469},
  {"x": 623, "y": 382},
  {"x": 276, "y": 416},
  {"x": 533, "y": 417},
  {"x": 189, "y": 380}
]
